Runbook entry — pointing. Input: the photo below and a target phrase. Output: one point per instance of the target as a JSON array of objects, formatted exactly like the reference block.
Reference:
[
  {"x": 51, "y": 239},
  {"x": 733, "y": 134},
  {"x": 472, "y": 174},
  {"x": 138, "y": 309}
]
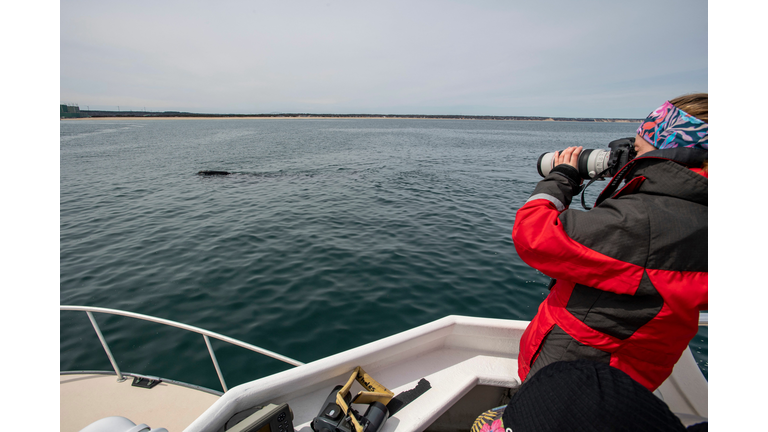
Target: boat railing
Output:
[
  {"x": 703, "y": 321},
  {"x": 205, "y": 333}
]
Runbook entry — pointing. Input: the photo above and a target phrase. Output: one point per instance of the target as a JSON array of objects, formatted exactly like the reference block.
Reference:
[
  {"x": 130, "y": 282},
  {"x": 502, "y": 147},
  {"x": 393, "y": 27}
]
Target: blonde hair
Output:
[
  {"x": 697, "y": 105},
  {"x": 694, "y": 104}
]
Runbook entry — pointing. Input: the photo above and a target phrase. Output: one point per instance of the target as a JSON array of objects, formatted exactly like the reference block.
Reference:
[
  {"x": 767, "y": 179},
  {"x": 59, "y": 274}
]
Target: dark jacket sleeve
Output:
[{"x": 559, "y": 186}]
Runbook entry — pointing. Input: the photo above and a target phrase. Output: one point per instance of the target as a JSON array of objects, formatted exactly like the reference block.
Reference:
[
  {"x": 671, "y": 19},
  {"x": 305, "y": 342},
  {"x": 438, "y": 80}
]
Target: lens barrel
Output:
[
  {"x": 591, "y": 163},
  {"x": 584, "y": 162}
]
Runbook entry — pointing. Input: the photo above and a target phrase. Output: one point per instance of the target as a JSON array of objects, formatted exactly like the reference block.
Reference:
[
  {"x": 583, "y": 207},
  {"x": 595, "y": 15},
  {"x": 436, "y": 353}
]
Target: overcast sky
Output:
[{"x": 546, "y": 58}]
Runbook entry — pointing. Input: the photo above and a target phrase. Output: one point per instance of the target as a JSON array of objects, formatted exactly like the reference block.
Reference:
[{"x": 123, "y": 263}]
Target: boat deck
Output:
[
  {"x": 452, "y": 374},
  {"x": 469, "y": 363},
  {"x": 85, "y": 398}
]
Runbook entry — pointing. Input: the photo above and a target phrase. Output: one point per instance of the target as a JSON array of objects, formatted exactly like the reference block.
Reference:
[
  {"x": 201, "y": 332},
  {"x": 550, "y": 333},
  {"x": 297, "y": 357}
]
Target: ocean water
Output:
[{"x": 329, "y": 234}]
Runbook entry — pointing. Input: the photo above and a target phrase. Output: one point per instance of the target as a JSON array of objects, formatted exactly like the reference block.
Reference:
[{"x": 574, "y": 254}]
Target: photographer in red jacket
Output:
[{"x": 630, "y": 275}]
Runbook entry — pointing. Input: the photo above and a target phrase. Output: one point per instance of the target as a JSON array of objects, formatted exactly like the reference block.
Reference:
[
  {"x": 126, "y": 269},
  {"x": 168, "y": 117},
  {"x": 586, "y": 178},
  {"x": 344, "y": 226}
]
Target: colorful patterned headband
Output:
[{"x": 669, "y": 127}]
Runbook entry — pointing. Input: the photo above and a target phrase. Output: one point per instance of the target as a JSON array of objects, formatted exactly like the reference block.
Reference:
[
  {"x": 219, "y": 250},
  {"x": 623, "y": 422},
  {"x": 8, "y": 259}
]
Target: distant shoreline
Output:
[{"x": 135, "y": 115}]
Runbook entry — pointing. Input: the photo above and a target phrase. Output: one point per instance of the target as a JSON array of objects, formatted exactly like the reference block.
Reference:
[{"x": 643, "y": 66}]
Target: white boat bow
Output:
[{"x": 470, "y": 364}]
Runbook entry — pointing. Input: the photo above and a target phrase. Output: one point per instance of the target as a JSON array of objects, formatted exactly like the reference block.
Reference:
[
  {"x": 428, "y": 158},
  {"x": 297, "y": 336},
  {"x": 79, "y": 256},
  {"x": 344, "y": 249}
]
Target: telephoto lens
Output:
[
  {"x": 595, "y": 164},
  {"x": 591, "y": 163}
]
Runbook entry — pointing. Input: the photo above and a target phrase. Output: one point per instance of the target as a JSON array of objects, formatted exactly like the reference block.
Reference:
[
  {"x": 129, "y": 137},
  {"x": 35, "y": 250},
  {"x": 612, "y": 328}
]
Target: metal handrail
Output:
[
  {"x": 703, "y": 321},
  {"x": 206, "y": 334}
]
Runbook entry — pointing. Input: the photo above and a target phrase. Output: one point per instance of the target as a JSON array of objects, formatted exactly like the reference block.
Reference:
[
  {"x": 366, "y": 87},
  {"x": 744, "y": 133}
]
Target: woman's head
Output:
[{"x": 680, "y": 122}]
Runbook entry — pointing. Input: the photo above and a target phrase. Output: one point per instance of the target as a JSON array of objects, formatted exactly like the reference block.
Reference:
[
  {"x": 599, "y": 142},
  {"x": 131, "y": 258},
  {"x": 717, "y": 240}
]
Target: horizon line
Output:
[{"x": 135, "y": 113}]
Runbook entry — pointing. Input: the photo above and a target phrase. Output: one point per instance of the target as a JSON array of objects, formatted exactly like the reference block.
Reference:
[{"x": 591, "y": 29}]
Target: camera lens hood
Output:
[{"x": 538, "y": 164}]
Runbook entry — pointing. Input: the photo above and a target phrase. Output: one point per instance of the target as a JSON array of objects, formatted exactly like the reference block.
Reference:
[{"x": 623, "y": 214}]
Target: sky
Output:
[{"x": 559, "y": 58}]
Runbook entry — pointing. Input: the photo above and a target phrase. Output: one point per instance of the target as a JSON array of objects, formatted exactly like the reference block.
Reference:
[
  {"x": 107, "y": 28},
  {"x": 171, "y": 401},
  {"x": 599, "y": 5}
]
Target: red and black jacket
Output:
[{"x": 629, "y": 276}]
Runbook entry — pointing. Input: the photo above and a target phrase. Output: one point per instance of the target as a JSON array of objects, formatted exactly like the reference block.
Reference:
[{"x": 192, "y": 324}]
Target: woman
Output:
[{"x": 630, "y": 275}]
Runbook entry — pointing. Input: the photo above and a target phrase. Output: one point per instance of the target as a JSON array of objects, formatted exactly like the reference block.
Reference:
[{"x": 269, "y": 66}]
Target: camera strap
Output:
[
  {"x": 584, "y": 204},
  {"x": 376, "y": 392}
]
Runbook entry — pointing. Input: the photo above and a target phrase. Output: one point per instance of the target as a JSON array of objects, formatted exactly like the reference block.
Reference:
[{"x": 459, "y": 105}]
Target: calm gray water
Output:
[{"x": 330, "y": 234}]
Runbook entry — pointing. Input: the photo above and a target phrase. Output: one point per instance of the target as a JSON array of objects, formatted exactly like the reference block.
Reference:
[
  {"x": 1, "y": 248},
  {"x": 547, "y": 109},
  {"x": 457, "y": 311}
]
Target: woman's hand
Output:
[{"x": 569, "y": 156}]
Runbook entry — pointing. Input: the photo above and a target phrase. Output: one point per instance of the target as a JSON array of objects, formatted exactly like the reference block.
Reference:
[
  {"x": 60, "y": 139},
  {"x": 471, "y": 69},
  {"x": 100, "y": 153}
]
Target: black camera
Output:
[
  {"x": 595, "y": 164},
  {"x": 332, "y": 419}
]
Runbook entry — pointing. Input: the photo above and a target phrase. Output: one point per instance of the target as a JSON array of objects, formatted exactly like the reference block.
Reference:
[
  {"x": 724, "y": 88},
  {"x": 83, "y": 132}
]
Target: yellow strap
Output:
[{"x": 376, "y": 393}]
